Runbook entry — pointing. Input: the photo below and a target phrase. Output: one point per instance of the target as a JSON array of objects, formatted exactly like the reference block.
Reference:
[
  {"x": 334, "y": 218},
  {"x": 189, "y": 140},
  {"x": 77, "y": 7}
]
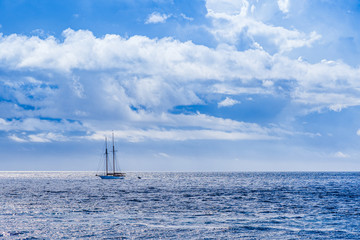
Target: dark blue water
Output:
[{"x": 55, "y": 205}]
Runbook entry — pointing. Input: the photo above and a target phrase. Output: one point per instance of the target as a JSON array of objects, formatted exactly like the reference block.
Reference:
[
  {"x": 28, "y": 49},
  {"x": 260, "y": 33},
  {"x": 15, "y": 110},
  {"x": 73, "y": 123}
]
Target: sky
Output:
[{"x": 214, "y": 85}]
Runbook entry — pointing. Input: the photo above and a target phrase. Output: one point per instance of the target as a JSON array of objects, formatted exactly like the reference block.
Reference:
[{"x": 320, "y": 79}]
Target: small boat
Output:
[{"x": 110, "y": 173}]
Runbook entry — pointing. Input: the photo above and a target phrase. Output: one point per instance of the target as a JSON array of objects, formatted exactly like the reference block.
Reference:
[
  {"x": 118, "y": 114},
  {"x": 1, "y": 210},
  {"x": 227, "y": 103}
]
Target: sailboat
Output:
[{"x": 110, "y": 173}]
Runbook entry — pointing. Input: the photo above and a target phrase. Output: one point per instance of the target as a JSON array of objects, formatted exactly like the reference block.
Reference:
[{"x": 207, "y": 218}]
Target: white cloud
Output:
[
  {"x": 77, "y": 87},
  {"x": 139, "y": 135},
  {"x": 267, "y": 83},
  {"x": 183, "y": 127},
  {"x": 252, "y": 9},
  {"x": 230, "y": 28},
  {"x": 167, "y": 62},
  {"x": 186, "y": 17},
  {"x": 156, "y": 17},
  {"x": 16, "y": 138},
  {"x": 39, "y": 137},
  {"x": 138, "y": 54},
  {"x": 165, "y": 58},
  {"x": 35, "y": 124},
  {"x": 163, "y": 155},
  {"x": 227, "y": 102},
  {"x": 331, "y": 99},
  {"x": 230, "y": 7},
  {"x": 47, "y": 137},
  {"x": 284, "y": 5},
  {"x": 337, "y": 107},
  {"x": 39, "y": 32},
  {"x": 232, "y": 22},
  {"x": 233, "y": 90},
  {"x": 341, "y": 155},
  {"x": 178, "y": 127},
  {"x": 209, "y": 122},
  {"x": 137, "y": 81}
]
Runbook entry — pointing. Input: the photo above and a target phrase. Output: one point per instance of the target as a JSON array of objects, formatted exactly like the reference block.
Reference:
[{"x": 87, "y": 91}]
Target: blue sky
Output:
[{"x": 185, "y": 85}]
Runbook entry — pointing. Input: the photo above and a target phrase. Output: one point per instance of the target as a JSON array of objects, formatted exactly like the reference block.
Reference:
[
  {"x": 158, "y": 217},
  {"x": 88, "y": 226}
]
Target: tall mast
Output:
[
  {"x": 113, "y": 150},
  {"x": 106, "y": 156}
]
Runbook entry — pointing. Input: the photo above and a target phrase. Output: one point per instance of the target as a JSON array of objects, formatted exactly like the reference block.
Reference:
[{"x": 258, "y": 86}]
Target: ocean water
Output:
[{"x": 67, "y": 205}]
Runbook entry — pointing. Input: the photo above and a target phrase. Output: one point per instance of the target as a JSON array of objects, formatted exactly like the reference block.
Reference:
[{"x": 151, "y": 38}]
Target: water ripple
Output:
[{"x": 53, "y": 205}]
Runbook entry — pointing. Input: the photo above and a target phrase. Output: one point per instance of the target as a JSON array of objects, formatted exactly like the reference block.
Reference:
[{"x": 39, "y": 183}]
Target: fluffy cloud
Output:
[
  {"x": 156, "y": 17},
  {"x": 173, "y": 127},
  {"x": 227, "y": 102},
  {"x": 232, "y": 22},
  {"x": 40, "y": 130},
  {"x": 16, "y": 139},
  {"x": 284, "y": 5},
  {"x": 134, "y": 83},
  {"x": 164, "y": 58},
  {"x": 165, "y": 63},
  {"x": 229, "y": 7},
  {"x": 39, "y": 137}
]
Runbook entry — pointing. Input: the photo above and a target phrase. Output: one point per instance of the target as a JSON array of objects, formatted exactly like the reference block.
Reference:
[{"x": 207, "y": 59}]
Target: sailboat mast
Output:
[
  {"x": 113, "y": 150},
  {"x": 106, "y": 156}
]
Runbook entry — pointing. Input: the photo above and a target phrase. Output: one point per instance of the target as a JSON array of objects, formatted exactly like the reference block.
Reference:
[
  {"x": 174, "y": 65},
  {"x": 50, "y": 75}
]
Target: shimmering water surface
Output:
[{"x": 55, "y": 205}]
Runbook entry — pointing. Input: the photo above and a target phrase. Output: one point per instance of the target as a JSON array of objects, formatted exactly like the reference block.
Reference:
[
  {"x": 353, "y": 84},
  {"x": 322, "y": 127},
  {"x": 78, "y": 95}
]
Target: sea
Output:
[{"x": 168, "y": 205}]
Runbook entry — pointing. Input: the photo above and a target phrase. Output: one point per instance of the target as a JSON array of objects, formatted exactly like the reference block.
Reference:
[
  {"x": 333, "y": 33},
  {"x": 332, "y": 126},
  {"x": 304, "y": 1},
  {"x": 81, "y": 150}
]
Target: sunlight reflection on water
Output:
[{"x": 180, "y": 205}]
